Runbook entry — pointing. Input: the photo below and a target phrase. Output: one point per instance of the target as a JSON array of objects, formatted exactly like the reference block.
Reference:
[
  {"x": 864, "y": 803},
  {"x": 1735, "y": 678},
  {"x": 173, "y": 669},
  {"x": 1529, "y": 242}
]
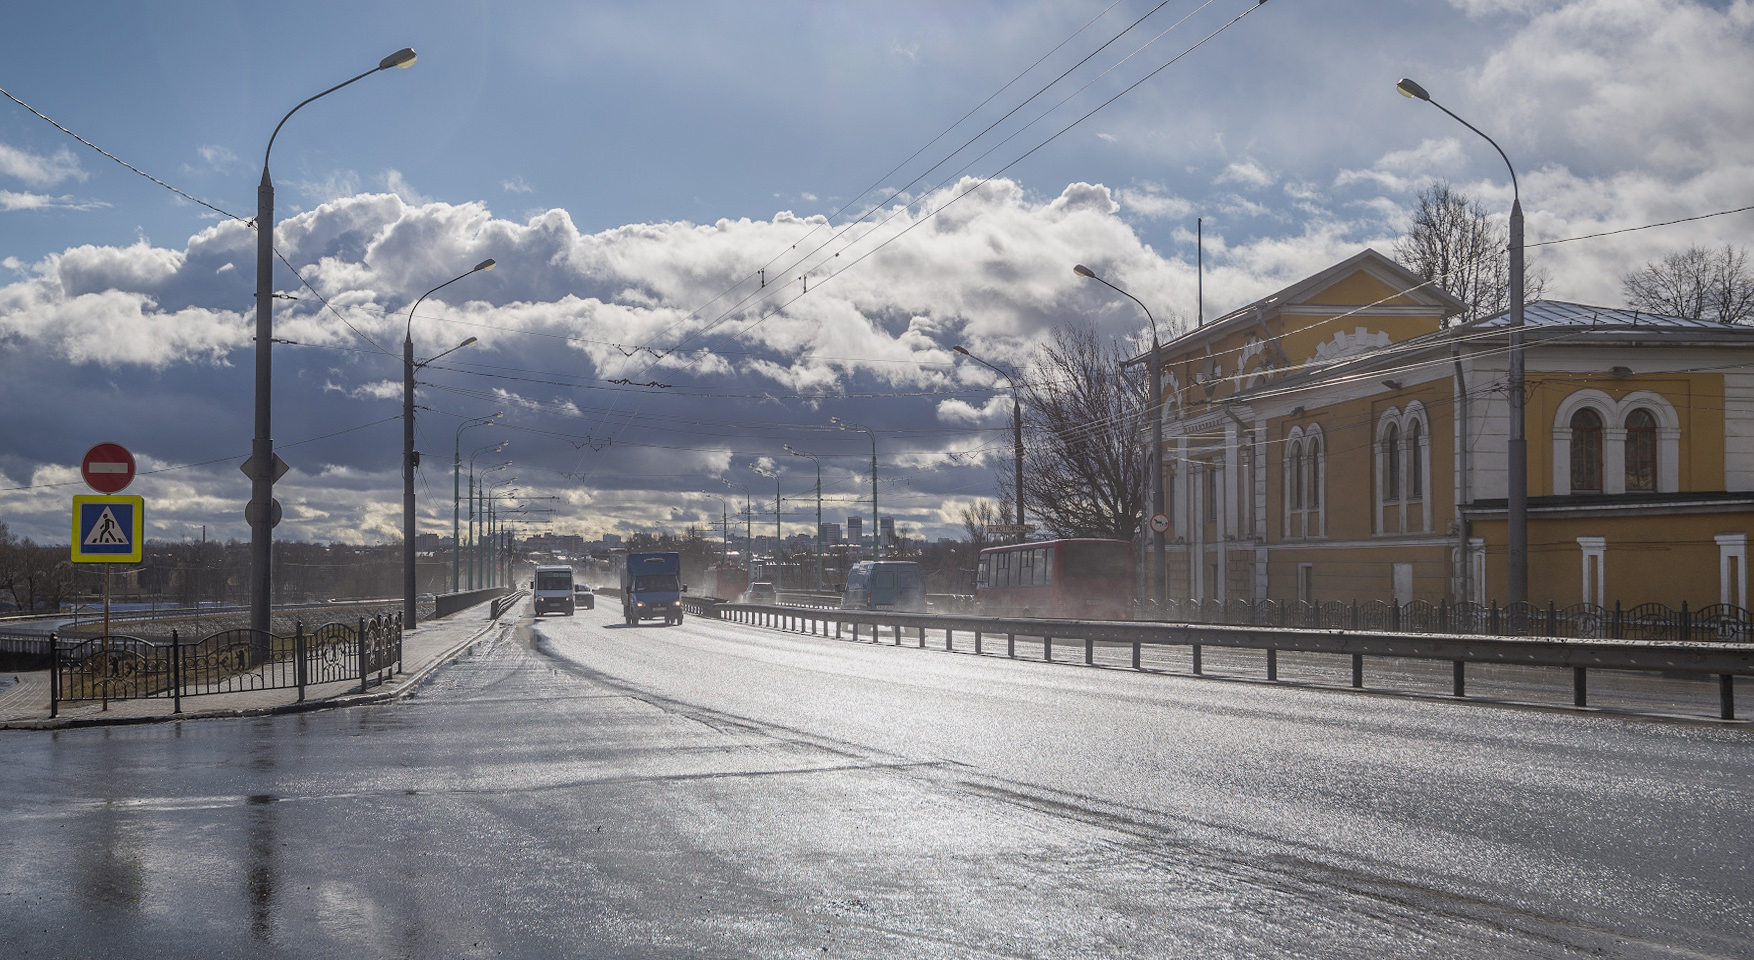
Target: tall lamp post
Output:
[
  {"x": 876, "y": 534},
  {"x": 410, "y": 458},
  {"x": 1016, "y": 429},
  {"x": 818, "y": 460},
  {"x": 1159, "y": 584},
  {"x": 475, "y": 509},
  {"x": 491, "y": 572},
  {"x": 263, "y": 467},
  {"x": 775, "y": 477},
  {"x": 1517, "y": 493},
  {"x": 748, "y": 520},
  {"x": 456, "y": 498}
]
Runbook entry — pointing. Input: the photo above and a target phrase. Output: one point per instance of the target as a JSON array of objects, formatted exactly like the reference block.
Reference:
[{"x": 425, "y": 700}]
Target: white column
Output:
[
  {"x": 1595, "y": 574},
  {"x": 1732, "y": 568}
]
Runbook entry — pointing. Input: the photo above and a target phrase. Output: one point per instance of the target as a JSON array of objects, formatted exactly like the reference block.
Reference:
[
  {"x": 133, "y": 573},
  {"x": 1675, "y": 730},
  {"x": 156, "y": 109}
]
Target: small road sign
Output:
[
  {"x": 108, "y": 529},
  {"x": 1159, "y": 523},
  {"x": 107, "y": 468},
  {"x": 276, "y": 468}
]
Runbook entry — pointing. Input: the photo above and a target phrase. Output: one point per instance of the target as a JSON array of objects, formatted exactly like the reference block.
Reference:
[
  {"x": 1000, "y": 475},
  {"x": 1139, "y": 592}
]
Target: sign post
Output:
[{"x": 108, "y": 528}]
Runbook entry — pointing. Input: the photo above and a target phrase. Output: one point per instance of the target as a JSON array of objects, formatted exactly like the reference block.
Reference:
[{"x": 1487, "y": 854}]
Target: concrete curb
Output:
[{"x": 395, "y": 688}]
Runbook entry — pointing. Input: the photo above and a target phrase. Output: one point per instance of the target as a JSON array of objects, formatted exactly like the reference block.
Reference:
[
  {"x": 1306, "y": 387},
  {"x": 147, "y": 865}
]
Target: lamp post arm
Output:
[{"x": 1515, "y": 192}]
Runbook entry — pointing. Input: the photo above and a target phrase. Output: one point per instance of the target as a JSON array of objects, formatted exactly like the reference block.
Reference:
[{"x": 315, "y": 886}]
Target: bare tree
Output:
[
  {"x": 977, "y": 518},
  {"x": 1085, "y": 465},
  {"x": 1453, "y": 241},
  {"x": 1697, "y": 283}
]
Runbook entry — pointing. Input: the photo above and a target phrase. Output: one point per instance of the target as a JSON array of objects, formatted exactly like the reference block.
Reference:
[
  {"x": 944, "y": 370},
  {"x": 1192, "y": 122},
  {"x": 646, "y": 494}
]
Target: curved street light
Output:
[
  {"x": 775, "y": 477},
  {"x": 818, "y": 461},
  {"x": 456, "y": 496},
  {"x": 262, "y": 465},
  {"x": 1016, "y": 428},
  {"x": 748, "y": 520},
  {"x": 1159, "y": 573},
  {"x": 876, "y": 536},
  {"x": 475, "y": 508},
  {"x": 1517, "y": 465},
  {"x": 410, "y": 458}
]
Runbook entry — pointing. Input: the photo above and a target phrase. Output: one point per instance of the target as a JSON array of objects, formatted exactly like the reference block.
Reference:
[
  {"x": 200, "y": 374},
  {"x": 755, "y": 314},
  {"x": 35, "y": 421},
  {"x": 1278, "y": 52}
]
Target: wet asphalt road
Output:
[{"x": 712, "y": 790}]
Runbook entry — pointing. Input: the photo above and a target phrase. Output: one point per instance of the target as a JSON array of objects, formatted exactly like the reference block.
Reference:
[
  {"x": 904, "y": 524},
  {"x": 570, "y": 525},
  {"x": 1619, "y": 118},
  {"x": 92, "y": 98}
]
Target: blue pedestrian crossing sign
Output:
[{"x": 108, "y": 529}]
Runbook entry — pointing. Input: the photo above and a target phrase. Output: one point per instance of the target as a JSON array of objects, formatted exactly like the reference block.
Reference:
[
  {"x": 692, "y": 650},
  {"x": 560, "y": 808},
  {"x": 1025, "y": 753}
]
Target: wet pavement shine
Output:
[{"x": 584, "y": 789}]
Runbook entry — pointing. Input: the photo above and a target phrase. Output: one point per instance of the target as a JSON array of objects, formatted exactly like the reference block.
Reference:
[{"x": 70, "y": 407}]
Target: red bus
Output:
[{"x": 1061, "y": 579}]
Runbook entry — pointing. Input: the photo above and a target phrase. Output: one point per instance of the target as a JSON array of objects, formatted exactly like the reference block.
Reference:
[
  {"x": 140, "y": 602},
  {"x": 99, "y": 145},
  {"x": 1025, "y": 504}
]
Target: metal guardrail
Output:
[
  {"x": 1724, "y": 660},
  {"x": 504, "y": 603},
  {"x": 449, "y": 603}
]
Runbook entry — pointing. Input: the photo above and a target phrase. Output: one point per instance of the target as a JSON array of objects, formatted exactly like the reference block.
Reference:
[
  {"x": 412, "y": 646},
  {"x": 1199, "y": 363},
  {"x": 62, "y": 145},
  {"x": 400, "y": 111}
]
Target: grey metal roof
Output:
[{"x": 1560, "y": 313}]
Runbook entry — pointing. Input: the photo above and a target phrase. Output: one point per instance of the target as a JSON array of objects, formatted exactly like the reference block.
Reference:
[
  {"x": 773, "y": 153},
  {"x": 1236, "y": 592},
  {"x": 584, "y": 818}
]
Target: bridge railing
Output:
[
  {"x": 120, "y": 667},
  {"x": 1665, "y": 650}
]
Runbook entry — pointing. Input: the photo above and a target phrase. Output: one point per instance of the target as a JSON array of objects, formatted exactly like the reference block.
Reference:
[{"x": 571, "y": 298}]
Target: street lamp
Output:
[
  {"x": 456, "y": 492},
  {"x": 263, "y": 468},
  {"x": 876, "y": 537},
  {"x": 475, "y": 579},
  {"x": 1016, "y": 428},
  {"x": 1517, "y": 494},
  {"x": 410, "y": 458},
  {"x": 775, "y": 477},
  {"x": 1159, "y": 577},
  {"x": 748, "y": 520},
  {"x": 818, "y": 460},
  {"x": 491, "y": 573}
]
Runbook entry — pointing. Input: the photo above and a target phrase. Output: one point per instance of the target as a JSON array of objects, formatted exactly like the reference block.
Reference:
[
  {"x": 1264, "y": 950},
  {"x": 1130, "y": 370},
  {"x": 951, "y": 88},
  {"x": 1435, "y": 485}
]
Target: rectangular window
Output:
[{"x": 1306, "y": 582}]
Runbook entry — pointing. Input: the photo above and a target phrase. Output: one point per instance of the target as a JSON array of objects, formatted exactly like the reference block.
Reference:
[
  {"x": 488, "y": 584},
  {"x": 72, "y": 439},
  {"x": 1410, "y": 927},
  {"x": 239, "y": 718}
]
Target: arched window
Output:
[
  {"x": 1415, "y": 470},
  {"x": 1586, "y": 451},
  {"x": 1391, "y": 454},
  {"x": 1296, "y": 475},
  {"x": 1315, "y": 472},
  {"x": 1641, "y": 451}
]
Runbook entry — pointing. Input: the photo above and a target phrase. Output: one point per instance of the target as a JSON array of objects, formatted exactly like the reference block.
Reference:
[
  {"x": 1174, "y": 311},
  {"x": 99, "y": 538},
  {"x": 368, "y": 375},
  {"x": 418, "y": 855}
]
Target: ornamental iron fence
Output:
[{"x": 238, "y": 660}]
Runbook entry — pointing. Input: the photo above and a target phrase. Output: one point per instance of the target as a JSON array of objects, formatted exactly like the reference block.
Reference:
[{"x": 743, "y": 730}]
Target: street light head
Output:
[
  {"x": 1411, "y": 90},
  {"x": 403, "y": 58},
  {"x": 467, "y": 342},
  {"x": 487, "y": 264},
  {"x": 959, "y": 349},
  {"x": 1084, "y": 271}
]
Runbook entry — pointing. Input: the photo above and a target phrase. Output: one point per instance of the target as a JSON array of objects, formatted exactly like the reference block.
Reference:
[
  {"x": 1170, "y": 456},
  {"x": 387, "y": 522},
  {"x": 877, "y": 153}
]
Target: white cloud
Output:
[
  {"x": 399, "y": 185},
  {"x": 38, "y": 170},
  {"x": 1153, "y": 200},
  {"x": 217, "y": 157},
  {"x": 1248, "y": 172},
  {"x": 37, "y": 201},
  {"x": 515, "y": 185}
]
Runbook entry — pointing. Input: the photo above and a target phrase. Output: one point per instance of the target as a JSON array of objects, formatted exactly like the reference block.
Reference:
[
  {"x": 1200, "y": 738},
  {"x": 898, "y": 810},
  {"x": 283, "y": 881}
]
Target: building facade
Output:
[{"x": 1337, "y": 440}]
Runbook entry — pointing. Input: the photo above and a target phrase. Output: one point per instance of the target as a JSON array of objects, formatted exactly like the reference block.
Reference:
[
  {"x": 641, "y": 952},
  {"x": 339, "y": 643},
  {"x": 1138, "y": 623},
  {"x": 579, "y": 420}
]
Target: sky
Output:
[{"x": 719, "y": 225}]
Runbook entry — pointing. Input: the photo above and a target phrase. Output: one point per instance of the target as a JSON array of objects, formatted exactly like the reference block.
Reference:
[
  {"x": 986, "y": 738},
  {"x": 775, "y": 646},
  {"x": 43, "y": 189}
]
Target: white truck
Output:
[{"x": 553, "y": 589}]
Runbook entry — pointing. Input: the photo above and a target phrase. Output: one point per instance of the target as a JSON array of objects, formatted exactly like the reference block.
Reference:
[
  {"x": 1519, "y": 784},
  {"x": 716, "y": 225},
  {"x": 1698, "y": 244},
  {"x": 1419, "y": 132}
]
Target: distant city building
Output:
[
  {"x": 855, "y": 529},
  {"x": 886, "y": 526},
  {"x": 831, "y": 533},
  {"x": 612, "y": 540}
]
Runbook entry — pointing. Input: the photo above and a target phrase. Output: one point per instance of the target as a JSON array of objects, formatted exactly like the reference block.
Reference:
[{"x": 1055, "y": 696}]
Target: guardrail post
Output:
[
  {"x": 1195, "y": 648},
  {"x": 1358, "y": 671},
  {"x": 54, "y": 675},
  {"x": 977, "y": 643},
  {"x": 362, "y": 684},
  {"x": 922, "y": 643},
  {"x": 1011, "y": 645},
  {"x": 949, "y": 640},
  {"x": 1089, "y": 652},
  {"x": 1579, "y": 687},
  {"x": 177, "y": 672},
  {"x": 1047, "y": 649},
  {"x": 1726, "y": 695},
  {"x": 1135, "y": 654},
  {"x": 1459, "y": 670},
  {"x": 1272, "y": 664},
  {"x": 298, "y": 652}
]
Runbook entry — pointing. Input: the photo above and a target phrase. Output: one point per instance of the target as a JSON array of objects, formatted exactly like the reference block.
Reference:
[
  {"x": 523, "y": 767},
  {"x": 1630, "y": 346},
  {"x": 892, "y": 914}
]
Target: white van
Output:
[
  {"x": 893, "y": 585},
  {"x": 553, "y": 589}
]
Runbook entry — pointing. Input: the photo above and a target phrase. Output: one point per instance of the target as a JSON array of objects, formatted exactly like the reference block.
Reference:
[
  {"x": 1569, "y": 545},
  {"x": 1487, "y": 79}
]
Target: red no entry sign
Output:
[{"x": 107, "y": 468}]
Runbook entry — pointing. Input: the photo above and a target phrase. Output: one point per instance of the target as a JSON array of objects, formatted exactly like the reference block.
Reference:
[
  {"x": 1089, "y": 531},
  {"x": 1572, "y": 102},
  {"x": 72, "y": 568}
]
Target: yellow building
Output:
[{"x": 1337, "y": 441}]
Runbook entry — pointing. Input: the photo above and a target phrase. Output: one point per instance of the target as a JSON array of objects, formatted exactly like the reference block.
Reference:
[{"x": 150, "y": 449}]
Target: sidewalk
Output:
[{"x": 24, "y": 705}]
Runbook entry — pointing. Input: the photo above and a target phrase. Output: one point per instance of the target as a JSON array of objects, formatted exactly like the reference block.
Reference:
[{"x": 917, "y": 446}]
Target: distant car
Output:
[
  {"x": 761, "y": 592},
  {"x": 583, "y": 597}
]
